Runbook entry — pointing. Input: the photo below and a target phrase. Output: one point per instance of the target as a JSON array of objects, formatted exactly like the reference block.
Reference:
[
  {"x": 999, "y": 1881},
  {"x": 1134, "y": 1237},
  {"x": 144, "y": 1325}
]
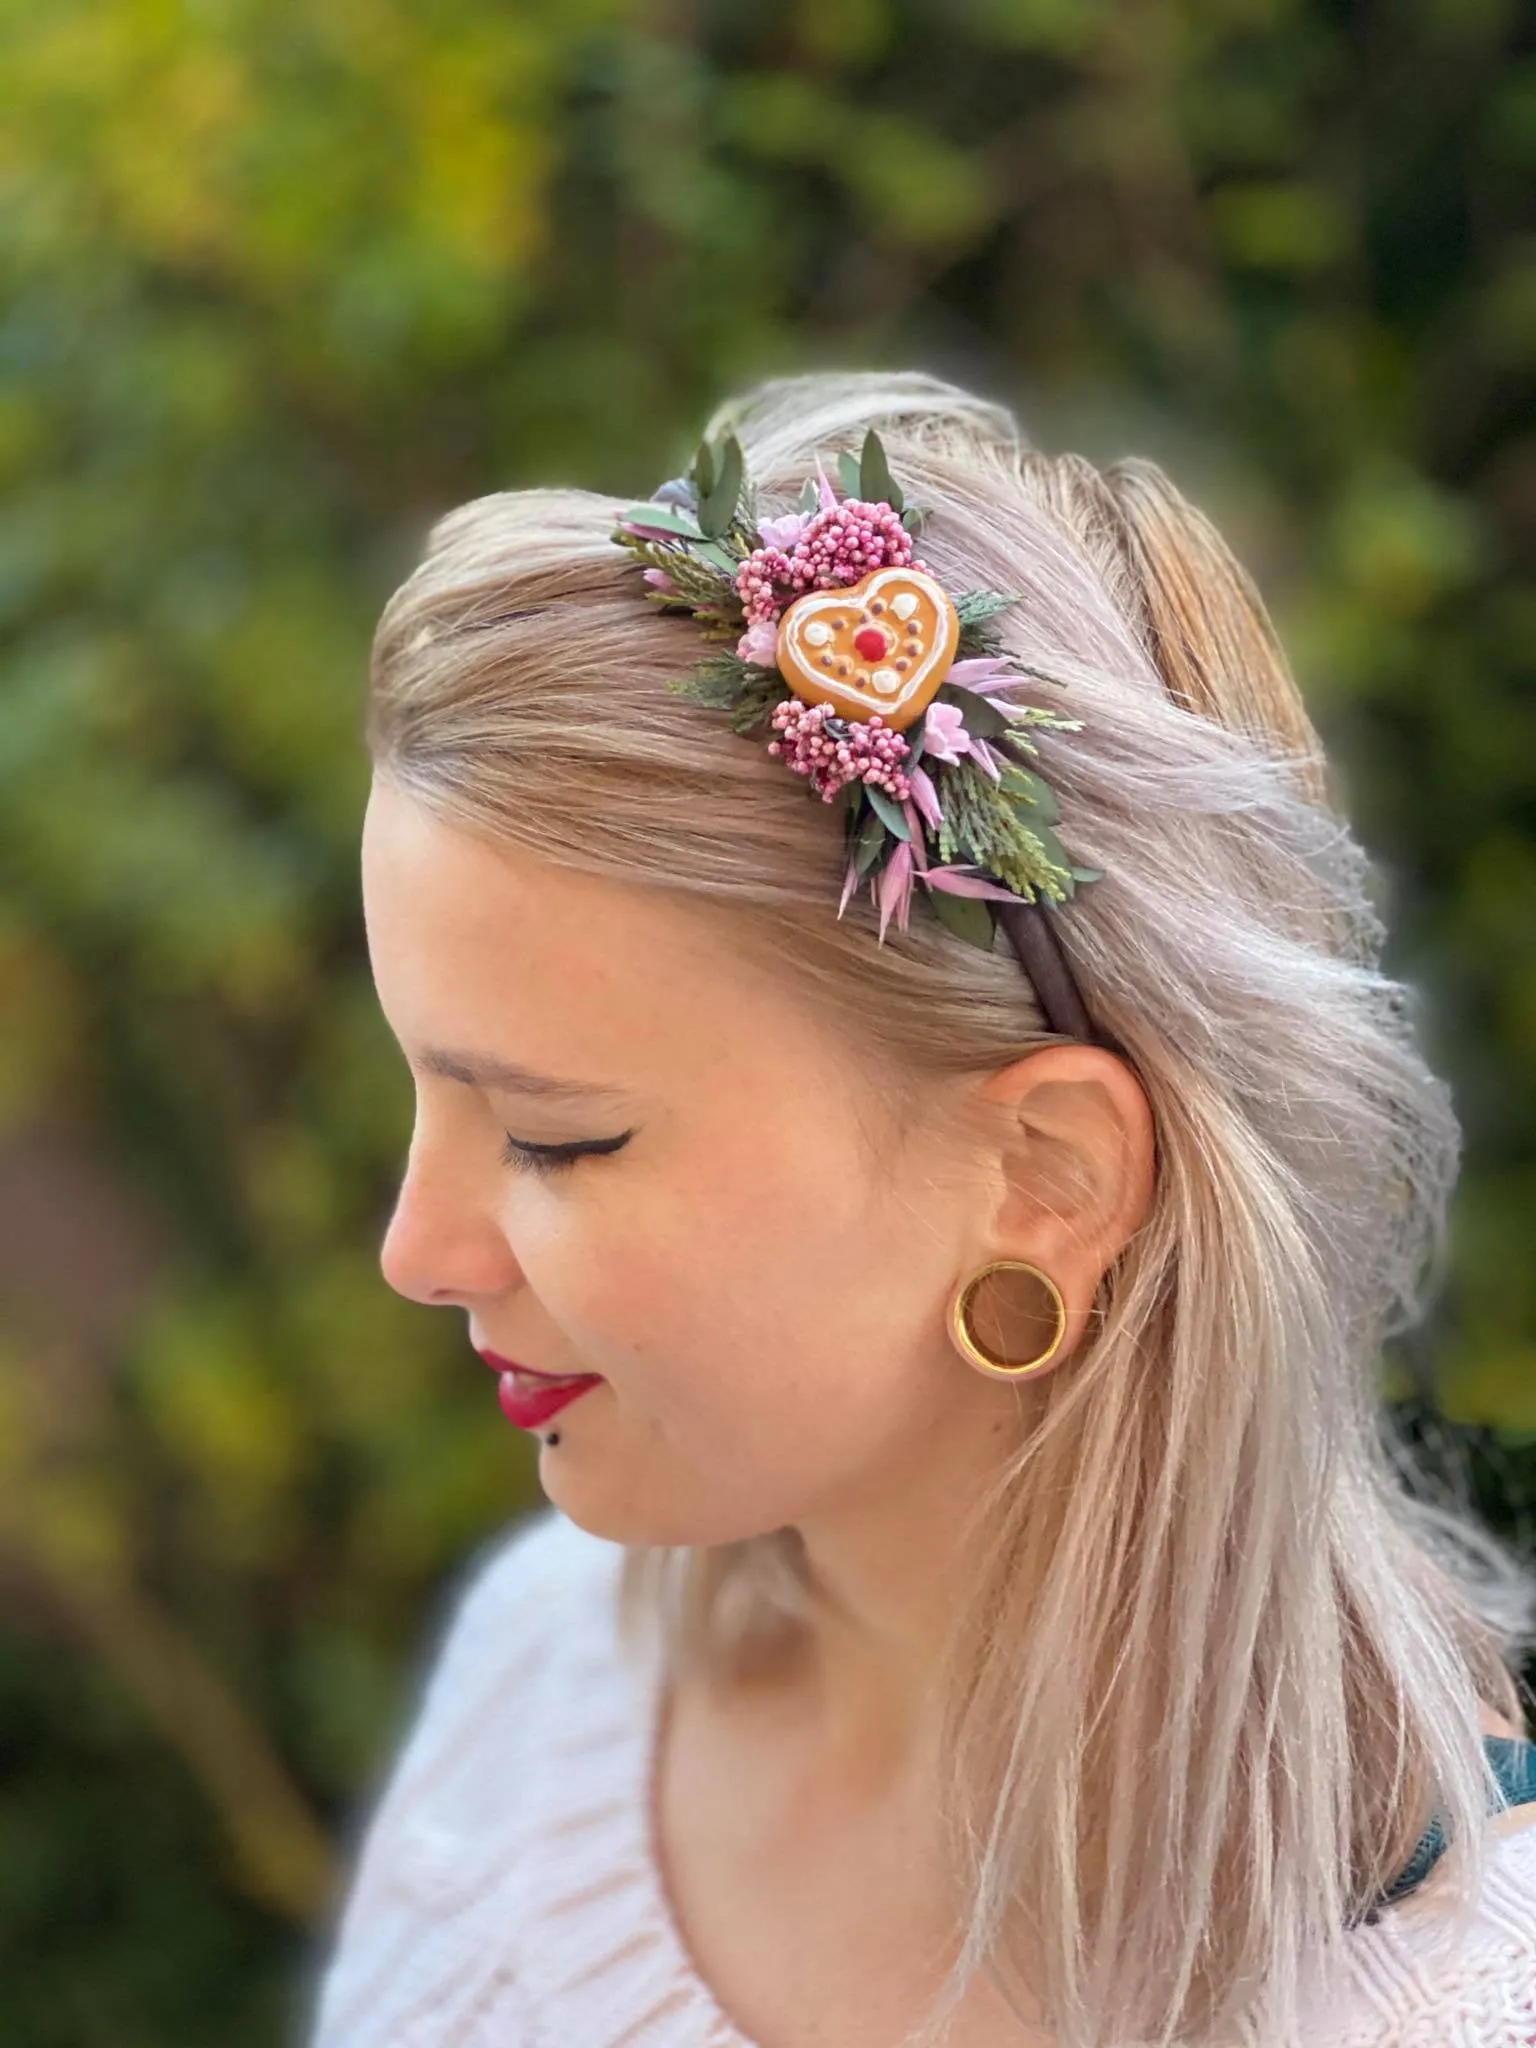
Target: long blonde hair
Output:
[{"x": 1218, "y": 1664}]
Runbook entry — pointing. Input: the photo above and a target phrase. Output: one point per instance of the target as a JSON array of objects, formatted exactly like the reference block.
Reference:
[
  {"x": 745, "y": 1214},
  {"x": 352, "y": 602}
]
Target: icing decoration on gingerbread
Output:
[{"x": 882, "y": 645}]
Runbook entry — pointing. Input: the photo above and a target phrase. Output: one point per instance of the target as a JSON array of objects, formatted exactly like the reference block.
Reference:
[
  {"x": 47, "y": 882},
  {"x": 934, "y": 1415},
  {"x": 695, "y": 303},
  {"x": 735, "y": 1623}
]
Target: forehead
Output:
[{"x": 481, "y": 946}]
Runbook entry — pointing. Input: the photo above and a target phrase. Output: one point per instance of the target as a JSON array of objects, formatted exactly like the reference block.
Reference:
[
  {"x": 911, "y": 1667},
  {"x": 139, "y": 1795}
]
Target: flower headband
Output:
[{"x": 880, "y": 689}]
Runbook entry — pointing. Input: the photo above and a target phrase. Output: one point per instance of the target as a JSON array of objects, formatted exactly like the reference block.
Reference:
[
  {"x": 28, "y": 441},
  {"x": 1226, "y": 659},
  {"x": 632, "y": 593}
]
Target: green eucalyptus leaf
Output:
[
  {"x": 916, "y": 737},
  {"x": 1037, "y": 799},
  {"x": 717, "y": 507},
  {"x": 664, "y": 518},
  {"x": 968, "y": 917},
  {"x": 913, "y": 520},
  {"x": 871, "y": 837},
  {"x": 1087, "y": 874},
  {"x": 848, "y": 470},
  {"x": 876, "y": 484},
  {"x": 1050, "y": 845},
  {"x": 888, "y": 809},
  {"x": 704, "y": 471},
  {"x": 718, "y": 557},
  {"x": 810, "y": 497}
]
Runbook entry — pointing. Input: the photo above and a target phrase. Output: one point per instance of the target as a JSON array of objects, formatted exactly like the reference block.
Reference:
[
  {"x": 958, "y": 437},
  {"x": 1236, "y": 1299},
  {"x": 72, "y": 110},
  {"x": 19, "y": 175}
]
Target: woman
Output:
[{"x": 978, "y": 1604}]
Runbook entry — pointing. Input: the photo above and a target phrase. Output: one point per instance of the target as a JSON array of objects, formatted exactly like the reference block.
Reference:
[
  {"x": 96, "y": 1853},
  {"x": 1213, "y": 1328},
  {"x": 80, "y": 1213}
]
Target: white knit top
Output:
[{"x": 507, "y": 1896}]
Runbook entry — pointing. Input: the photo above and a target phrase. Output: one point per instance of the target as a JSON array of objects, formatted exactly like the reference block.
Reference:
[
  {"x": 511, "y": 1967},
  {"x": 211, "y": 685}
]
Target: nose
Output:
[{"x": 444, "y": 1243}]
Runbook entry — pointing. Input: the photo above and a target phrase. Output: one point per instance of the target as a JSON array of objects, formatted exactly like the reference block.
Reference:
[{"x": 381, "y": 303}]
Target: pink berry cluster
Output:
[
  {"x": 832, "y": 751},
  {"x": 839, "y": 546}
]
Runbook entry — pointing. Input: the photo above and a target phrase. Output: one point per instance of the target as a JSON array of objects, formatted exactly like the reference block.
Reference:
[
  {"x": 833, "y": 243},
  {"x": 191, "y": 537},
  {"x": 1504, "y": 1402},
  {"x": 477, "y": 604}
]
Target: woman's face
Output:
[{"x": 763, "y": 1294}]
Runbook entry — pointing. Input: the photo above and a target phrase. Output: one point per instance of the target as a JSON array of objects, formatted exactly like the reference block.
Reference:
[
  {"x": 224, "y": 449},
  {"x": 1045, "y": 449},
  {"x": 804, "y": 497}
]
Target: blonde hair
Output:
[{"x": 1219, "y": 1662}]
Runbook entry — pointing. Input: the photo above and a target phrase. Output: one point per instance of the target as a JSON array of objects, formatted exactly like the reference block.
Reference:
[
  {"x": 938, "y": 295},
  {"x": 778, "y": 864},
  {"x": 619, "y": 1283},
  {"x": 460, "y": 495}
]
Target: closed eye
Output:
[{"x": 551, "y": 1159}]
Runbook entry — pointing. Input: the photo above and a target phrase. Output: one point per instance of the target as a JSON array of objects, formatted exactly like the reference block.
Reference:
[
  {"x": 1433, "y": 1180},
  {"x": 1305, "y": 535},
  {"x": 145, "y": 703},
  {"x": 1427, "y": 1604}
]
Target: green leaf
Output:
[
  {"x": 968, "y": 917},
  {"x": 1050, "y": 845},
  {"x": 982, "y": 717},
  {"x": 1037, "y": 798},
  {"x": 914, "y": 520},
  {"x": 704, "y": 471},
  {"x": 718, "y": 557},
  {"x": 1087, "y": 874},
  {"x": 848, "y": 470},
  {"x": 717, "y": 506},
  {"x": 916, "y": 737},
  {"x": 810, "y": 497},
  {"x": 868, "y": 841},
  {"x": 875, "y": 480},
  {"x": 887, "y": 808},
  {"x": 665, "y": 518}
]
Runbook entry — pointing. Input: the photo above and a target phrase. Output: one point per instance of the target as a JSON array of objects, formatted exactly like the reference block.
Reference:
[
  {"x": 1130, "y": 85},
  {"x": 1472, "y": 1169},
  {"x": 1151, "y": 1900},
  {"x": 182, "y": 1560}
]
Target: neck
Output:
[{"x": 887, "y": 1575}]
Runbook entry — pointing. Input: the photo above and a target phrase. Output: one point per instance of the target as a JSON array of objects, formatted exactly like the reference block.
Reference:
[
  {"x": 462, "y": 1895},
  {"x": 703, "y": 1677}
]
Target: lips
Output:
[{"x": 529, "y": 1398}]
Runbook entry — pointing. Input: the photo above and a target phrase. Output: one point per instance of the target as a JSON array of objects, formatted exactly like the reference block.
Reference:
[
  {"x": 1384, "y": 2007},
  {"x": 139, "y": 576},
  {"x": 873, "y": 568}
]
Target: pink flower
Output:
[
  {"x": 783, "y": 533},
  {"x": 759, "y": 643},
  {"x": 944, "y": 733},
  {"x": 658, "y": 579},
  {"x": 836, "y": 547},
  {"x": 956, "y": 882},
  {"x": 896, "y": 888},
  {"x": 926, "y": 797},
  {"x": 832, "y": 751},
  {"x": 987, "y": 758},
  {"x": 986, "y": 674}
]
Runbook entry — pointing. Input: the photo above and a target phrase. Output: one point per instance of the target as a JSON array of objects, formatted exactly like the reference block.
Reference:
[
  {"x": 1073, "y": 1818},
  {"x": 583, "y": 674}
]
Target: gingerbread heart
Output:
[{"x": 884, "y": 644}]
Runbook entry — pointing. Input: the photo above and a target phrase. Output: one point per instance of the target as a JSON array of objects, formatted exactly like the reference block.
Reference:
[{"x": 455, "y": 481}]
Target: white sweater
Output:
[{"x": 506, "y": 1894}]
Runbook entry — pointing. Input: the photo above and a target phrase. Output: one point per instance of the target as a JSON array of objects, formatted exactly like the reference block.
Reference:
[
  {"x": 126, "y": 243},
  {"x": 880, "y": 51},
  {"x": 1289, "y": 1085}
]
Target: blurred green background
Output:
[{"x": 281, "y": 282}]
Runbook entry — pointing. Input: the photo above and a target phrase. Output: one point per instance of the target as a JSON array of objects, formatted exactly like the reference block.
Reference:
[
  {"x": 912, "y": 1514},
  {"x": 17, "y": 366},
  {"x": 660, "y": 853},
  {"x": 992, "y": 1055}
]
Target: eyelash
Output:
[{"x": 547, "y": 1160}]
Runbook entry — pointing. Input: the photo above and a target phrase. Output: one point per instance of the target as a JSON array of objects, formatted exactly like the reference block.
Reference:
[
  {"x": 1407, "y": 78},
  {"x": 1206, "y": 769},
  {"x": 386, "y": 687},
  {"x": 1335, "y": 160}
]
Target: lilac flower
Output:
[
  {"x": 783, "y": 533},
  {"x": 956, "y": 882},
  {"x": 984, "y": 754},
  {"x": 850, "y": 883},
  {"x": 926, "y": 797},
  {"x": 895, "y": 898},
  {"x": 944, "y": 733},
  {"x": 760, "y": 643},
  {"x": 986, "y": 674}
]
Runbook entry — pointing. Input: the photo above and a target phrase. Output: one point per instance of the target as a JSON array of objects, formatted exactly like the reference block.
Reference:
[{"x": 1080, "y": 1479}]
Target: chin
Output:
[{"x": 625, "y": 1515}]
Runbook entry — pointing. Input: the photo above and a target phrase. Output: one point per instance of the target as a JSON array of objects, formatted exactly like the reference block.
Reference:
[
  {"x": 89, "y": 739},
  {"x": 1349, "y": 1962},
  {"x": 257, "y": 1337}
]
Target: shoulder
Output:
[{"x": 1424, "y": 1974}]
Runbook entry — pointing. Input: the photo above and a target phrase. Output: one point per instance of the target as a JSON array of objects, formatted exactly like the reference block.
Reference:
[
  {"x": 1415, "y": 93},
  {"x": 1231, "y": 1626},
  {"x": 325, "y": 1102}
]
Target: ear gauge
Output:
[{"x": 991, "y": 1361}]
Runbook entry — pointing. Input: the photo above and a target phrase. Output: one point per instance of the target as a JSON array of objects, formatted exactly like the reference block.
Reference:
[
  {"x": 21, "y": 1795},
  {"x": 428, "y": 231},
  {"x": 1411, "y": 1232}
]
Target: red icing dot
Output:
[{"x": 870, "y": 642}]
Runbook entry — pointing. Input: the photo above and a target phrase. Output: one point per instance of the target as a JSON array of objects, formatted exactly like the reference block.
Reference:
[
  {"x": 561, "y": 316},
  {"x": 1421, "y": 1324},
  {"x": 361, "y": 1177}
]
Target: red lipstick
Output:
[{"x": 529, "y": 1398}]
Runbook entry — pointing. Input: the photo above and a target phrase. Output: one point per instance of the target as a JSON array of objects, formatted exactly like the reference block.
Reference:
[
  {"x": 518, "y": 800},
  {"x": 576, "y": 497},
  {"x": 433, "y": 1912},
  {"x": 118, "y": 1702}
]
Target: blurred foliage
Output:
[{"x": 280, "y": 282}]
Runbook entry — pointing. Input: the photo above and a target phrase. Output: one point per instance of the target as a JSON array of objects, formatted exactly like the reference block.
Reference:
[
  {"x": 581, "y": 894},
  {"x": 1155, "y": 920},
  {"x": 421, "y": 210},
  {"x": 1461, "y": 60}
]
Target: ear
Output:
[{"x": 1073, "y": 1159}]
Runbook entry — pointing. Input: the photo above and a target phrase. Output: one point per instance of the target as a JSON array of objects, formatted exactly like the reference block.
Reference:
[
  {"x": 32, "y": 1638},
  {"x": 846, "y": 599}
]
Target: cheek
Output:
[{"x": 750, "y": 1287}]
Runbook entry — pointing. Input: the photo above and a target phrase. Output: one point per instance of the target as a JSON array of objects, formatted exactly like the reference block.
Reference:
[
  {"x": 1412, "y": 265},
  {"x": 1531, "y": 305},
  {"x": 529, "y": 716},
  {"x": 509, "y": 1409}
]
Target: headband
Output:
[{"x": 893, "y": 699}]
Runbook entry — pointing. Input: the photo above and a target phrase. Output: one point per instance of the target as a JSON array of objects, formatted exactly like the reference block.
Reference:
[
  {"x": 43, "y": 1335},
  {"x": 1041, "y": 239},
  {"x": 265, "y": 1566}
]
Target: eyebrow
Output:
[{"x": 483, "y": 1070}]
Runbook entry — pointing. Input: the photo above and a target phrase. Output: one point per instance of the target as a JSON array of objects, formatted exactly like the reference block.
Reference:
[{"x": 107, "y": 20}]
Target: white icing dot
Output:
[
  {"x": 818, "y": 632},
  {"x": 884, "y": 679},
  {"x": 904, "y": 603}
]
